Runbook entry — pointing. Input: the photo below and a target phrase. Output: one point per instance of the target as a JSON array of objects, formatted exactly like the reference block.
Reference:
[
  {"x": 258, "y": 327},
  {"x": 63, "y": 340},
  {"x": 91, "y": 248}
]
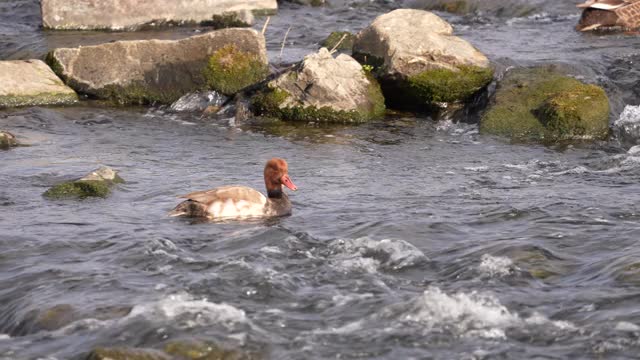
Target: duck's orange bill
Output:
[{"x": 286, "y": 181}]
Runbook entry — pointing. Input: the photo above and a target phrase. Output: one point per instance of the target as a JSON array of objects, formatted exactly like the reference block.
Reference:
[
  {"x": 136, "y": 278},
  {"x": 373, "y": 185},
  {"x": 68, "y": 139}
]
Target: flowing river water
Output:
[{"x": 410, "y": 239}]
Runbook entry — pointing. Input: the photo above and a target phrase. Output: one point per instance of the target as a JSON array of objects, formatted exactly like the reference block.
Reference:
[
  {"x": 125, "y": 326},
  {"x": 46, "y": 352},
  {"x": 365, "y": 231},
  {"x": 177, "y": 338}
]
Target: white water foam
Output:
[
  {"x": 189, "y": 312},
  {"x": 371, "y": 255},
  {"x": 496, "y": 266}
]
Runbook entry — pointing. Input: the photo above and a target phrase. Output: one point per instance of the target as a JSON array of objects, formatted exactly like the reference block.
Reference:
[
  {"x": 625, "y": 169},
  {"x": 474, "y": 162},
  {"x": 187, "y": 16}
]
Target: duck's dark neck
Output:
[{"x": 275, "y": 193}]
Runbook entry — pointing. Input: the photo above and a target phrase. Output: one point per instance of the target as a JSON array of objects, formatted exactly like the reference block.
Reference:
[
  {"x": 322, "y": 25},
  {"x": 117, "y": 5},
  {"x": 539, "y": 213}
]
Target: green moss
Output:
[
  {"x": 225, "y": 20},
  {"x": 229, "y": 70},
  {"x": 565, "y": 115},
  {"x": 265, "y": 12},
  {"x": 7, "y": 101},
  {"x": 542, "y": 105},
  {"x": 332, "y": 40},
  {"x": 196, "y": 350},
  {"x": 80, "y": 189},
  {"x": 124, "y": 354},
  {"x": 376, "y": 97},
  {"x": 137, "y": 94},
  {"x": 446, "y": 86},
  {"x": 55, "y": 65}
]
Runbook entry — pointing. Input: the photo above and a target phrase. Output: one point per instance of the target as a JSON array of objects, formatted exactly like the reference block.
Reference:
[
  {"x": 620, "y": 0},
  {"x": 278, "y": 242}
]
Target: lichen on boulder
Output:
[
  {"x": 541, "y": 104},
  {"x": 200, "y": 350},
  {"x": 96, "y": 184},
  {"x": 322, "y": 88},
  {"x": 230, "y": 69},
  {"x": 7, "y": 140},
  {"x": 419, "y": 62}
]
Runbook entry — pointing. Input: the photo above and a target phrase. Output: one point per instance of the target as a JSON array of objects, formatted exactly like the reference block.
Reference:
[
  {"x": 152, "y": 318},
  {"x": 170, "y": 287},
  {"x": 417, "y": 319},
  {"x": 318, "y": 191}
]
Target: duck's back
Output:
[{"x": 223, "y": 202}]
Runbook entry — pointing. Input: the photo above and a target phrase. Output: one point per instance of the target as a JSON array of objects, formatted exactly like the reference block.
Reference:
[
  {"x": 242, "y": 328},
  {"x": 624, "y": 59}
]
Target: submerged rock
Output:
[
  {"x": 31, "y": 83},
  {"x": 49, "y": 319},
  {"x": 159, "y": 71},
  {"x": 199, "y": 101},
  {"x": 198, "y": 350},
  {"x": 419, "y": 62},
  {"x": 102, "y": 353},
  {"x": 96, "y": 184},
  {"x": 503, "y": 8},
  {"x": 627, "y": 127},
  {"x": 335, "y": 40},
  {"x": 323, "y": 88},
  {"x": 7, "y": 140},
  {"x": 608, "y": 14},
  {"x": 540, "y": 104},
  {"x": 131, "y": 14}
]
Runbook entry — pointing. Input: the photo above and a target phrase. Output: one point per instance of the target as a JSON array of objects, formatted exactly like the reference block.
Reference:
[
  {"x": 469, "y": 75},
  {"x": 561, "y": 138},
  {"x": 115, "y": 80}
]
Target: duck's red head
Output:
[{"x": 276, "y": 174}]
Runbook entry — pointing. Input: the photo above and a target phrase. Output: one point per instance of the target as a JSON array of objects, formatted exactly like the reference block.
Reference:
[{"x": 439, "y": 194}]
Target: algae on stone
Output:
[
  {"x": 102, "y": 353},
  {"x": 334, "y": 38},
  {"x": 96, "y": 184},
  {"x": 198, "y": 350},
  {"x": 229, "y": 70},
  {"x": 541, "y": 104},
  {"x": 322, "y": 89},
  {"x": 448, "y": 86}
]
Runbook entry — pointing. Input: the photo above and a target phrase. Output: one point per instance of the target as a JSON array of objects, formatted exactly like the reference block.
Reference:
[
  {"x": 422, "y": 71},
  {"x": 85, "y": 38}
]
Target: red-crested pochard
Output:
[{"x": 238, "y": 202}]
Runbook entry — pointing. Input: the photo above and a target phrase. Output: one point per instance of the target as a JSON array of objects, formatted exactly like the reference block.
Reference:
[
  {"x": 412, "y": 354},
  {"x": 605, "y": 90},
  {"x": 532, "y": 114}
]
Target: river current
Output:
[{"x": 409, "y": 239}]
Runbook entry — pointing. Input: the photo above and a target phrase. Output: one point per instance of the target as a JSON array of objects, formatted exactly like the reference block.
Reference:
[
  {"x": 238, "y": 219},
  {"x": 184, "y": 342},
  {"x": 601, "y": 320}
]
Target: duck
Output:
[
  {"x": 242, "y": 202},
  {"x": 599, "y": 14}
]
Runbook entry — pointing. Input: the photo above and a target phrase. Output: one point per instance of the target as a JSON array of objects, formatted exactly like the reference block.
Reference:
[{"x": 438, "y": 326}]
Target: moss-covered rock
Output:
[
  {"x": 428, "y": 69},
  {"x": 96, "y": 184},
  {"x": 448, "y": 86},
  {"x": 198, "y": 350},
  {"x": 32, "y": 83},
  {"x": 334, "y": 39},
  {"x": 230, "y": 70},
  {"x": 7, "y": 140},
  {"x": 161, "y": 71},
  {"x": 102, "y": 353},
  {"x": 322, "y": 89},
  {"x": 541, "y": 104}
]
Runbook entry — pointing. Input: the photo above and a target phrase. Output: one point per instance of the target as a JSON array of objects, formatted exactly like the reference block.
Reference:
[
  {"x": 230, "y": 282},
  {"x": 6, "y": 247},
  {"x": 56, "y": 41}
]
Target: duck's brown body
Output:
[
  {"x": 241, "y": 202},
  {"x": 606, "y": 14}
]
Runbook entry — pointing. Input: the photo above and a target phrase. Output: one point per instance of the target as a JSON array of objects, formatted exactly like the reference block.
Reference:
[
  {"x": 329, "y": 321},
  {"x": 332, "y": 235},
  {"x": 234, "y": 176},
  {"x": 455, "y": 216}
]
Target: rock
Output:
[
  {"x": 199, "y": 101},
  {"x": 323, "y": 88},
  {"x": 334, "y": 39},
  {"x": 540, "y": 104},
  {"x": 102, "y": 353},
  {"x": 230, "y": 69},
  {"x": 160, "y": 71},
  {"x": 96, "y": 184},
  {"x": 198, "y": 350},
  {"x": 626, "y": 128},
  {"x": 132, "y": 14},
  {"x": 49, "y": 319},
  {"x": 419, "y": 62},
  {"x": 31, "y": 83},
  {"x": 503, "y": 9},
  {"x": 601, "y": 15},
  {"x": 7, "y": 140}
]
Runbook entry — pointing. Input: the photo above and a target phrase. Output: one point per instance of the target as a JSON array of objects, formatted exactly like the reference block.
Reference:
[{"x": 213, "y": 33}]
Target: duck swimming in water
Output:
[
  {"x": 606, "y": 14},
  {"x": 241, "y": 202}
]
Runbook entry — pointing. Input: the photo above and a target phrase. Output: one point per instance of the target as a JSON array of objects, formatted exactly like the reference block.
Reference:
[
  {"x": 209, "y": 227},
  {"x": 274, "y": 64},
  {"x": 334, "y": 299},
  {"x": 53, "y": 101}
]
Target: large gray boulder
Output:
[
  {"x": 31, "y": 83},
  {"x": 161, "y": 71},
  {"x": 131, "y": 14},
  {"x": 323, "y": 88},
  {"x": 418, "y": 59}
]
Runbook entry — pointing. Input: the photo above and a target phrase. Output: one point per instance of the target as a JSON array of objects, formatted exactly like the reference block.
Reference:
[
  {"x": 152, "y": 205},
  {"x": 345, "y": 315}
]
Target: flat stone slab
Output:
[
  {"x": 149, "y": 71},
  {"x": 131, "y": 14},
  {"x": 32, "y": 83}
]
